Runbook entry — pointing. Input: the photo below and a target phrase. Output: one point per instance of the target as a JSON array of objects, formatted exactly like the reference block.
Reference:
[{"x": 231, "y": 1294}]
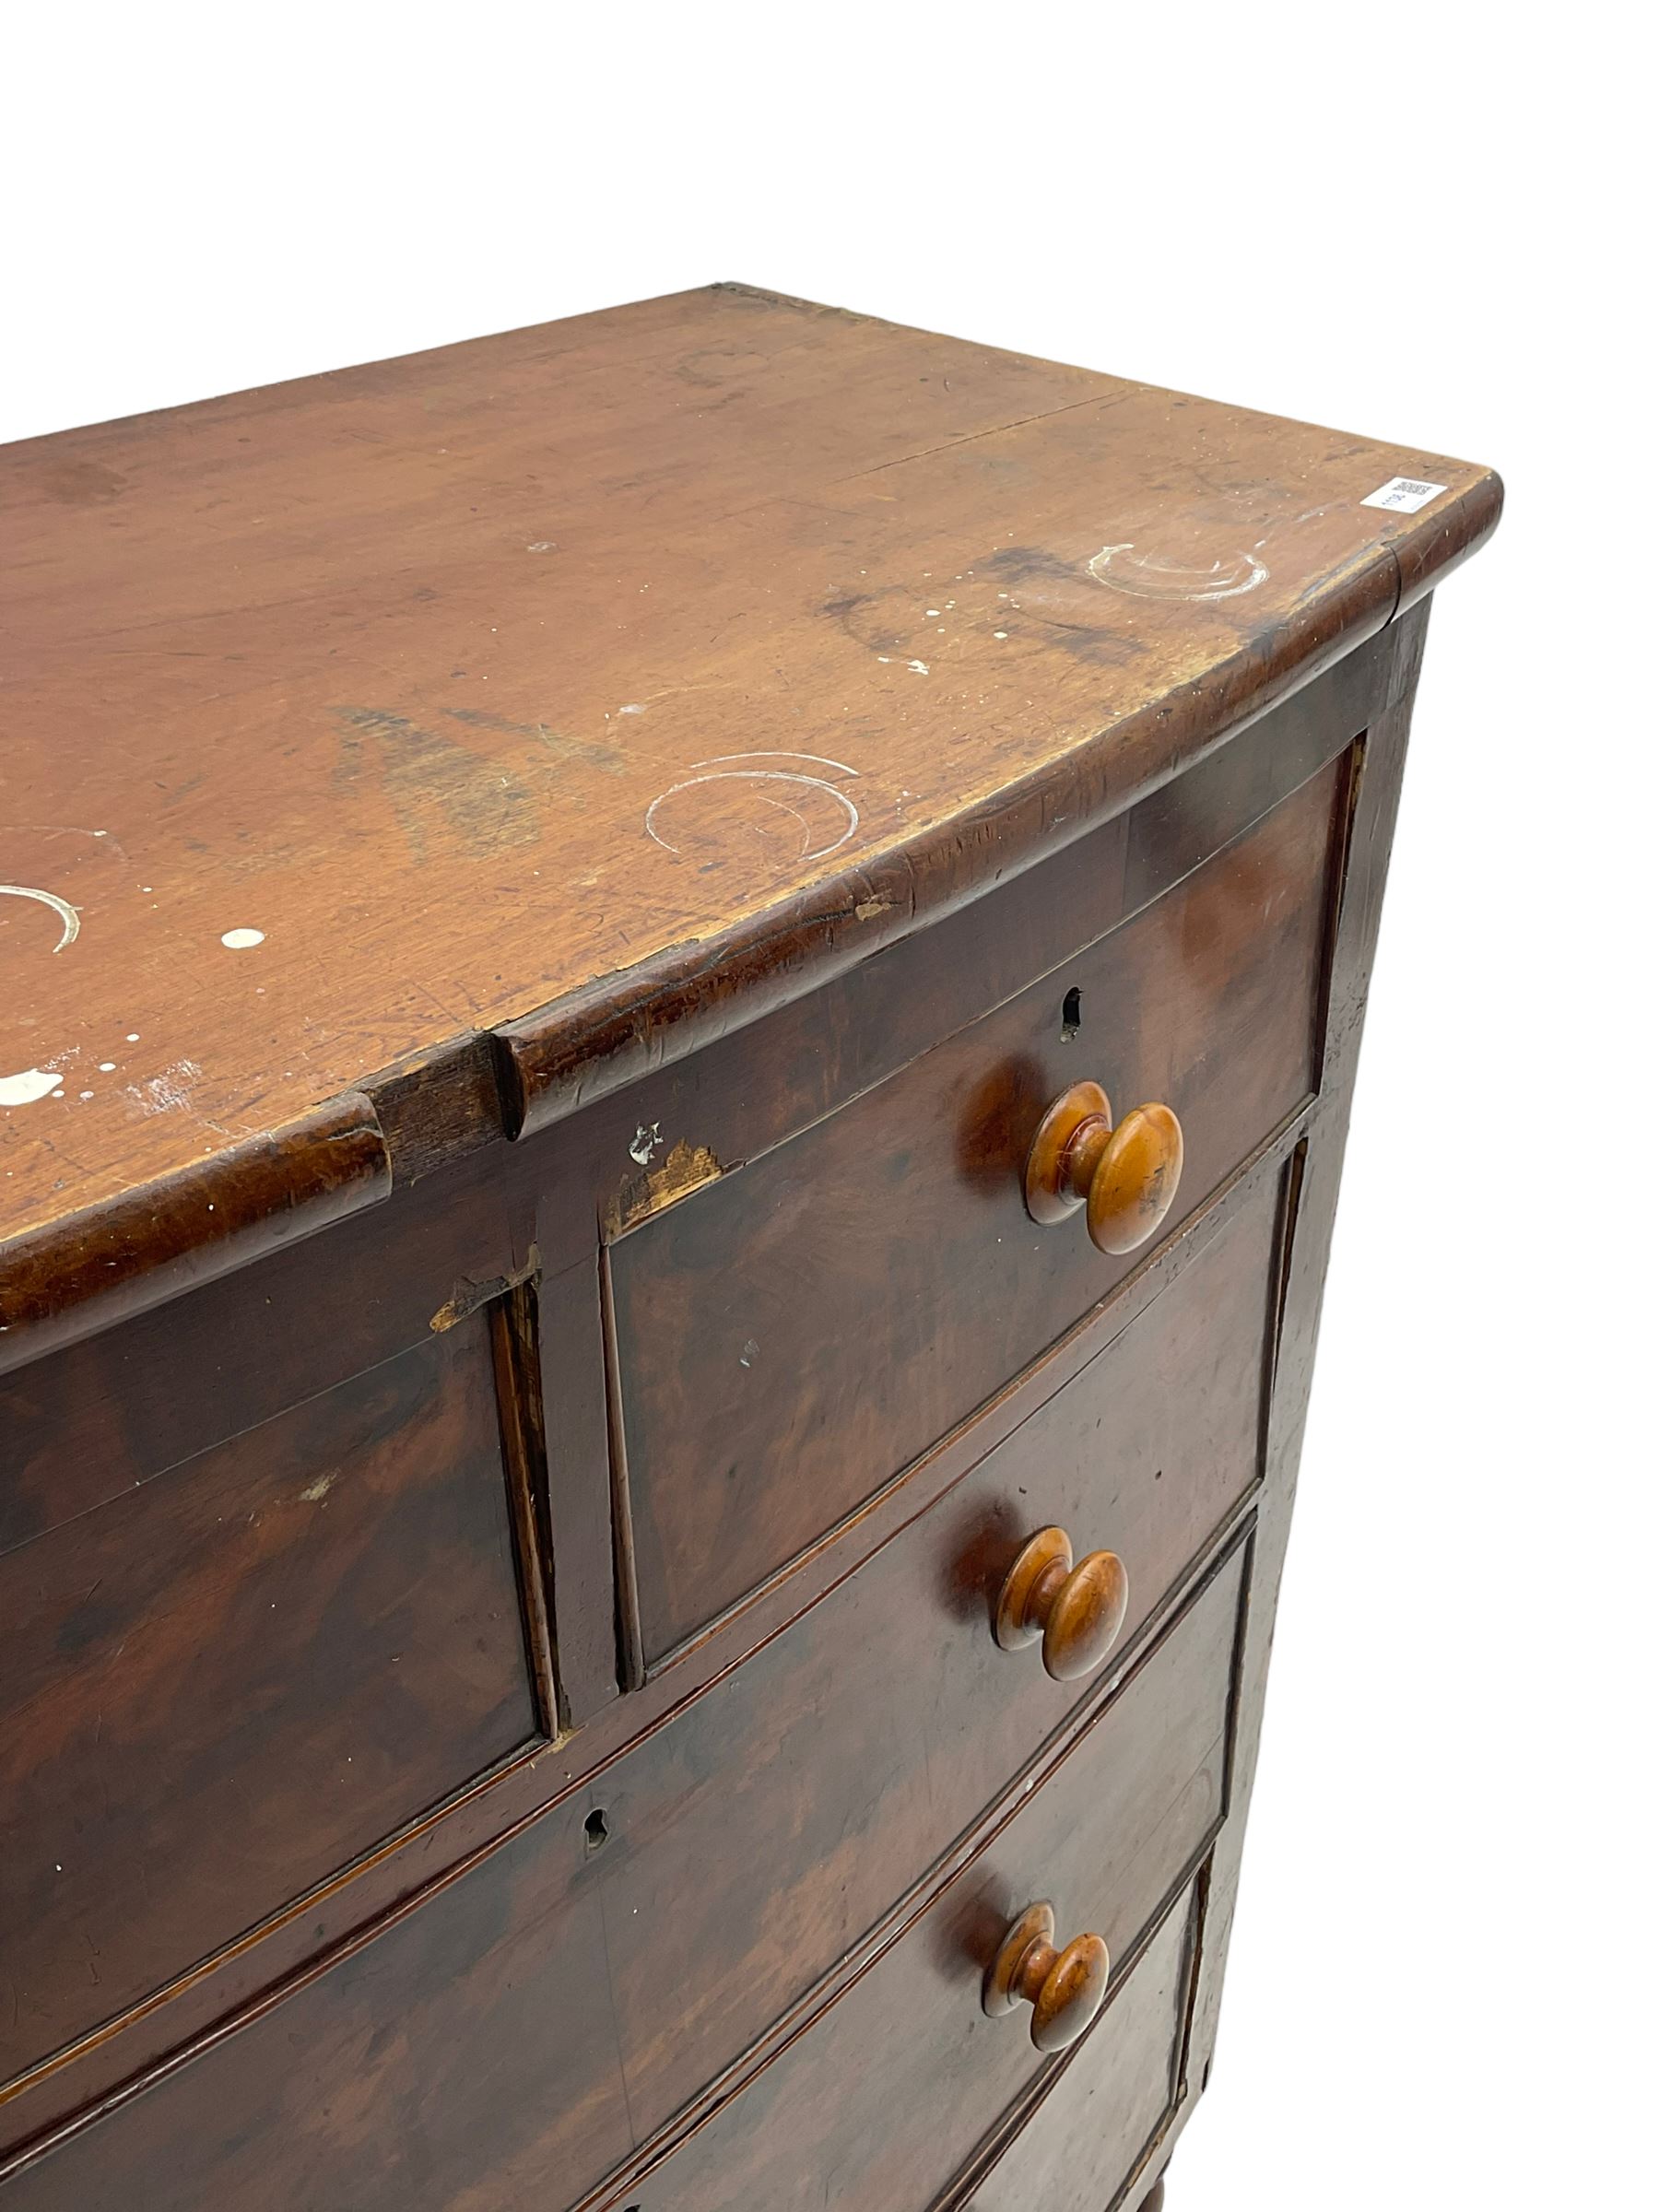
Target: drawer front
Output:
[
  {"x": 820, "y": 1782},
  {"x": 1154, "y": 1443},
  {"x": 224, "y": 1685},
  {"x": 791, "y": 1334},
  {"x": 882, "y": 2102},
  {"x": 521, "y": 2031},
  {"x": 1118, "y": 2088}
]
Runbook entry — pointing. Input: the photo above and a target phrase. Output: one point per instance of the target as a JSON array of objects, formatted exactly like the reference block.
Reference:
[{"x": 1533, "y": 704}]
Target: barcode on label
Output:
[{"x": 1404, "y": 494}]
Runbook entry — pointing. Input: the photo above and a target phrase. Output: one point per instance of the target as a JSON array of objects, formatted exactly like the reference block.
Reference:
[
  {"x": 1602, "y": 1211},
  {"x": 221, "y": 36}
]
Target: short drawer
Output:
[
  {"x": 521, "y": 2031},
  {"x": 791, "y": 1334},
  {"x": 1106, "y": 2108},
  {"x": 223, "y": 1685}
]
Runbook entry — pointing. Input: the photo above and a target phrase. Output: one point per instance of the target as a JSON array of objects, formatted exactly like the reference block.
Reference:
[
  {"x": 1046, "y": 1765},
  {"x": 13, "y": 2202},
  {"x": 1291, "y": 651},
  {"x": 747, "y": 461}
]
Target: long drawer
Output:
[
  {"x": 882, "y": 2102},
  {"x": 790, "y": 1335},
  {"x": 1106, "y": 2108},
  {"x": 523, "y": 2029}
]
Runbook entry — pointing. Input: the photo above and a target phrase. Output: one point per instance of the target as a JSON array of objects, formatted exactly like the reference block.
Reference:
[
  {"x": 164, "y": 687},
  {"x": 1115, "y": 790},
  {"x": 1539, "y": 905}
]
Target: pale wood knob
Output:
[
  {"x": 1127, "y": 1175},
  {"x": 1065, "y": 1989},
  {"x": 1078, "y": 1610}
]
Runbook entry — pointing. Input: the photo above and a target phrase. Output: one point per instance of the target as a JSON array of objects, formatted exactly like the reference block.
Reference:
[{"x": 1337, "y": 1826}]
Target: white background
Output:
[{"x": 1417, "y": 222}]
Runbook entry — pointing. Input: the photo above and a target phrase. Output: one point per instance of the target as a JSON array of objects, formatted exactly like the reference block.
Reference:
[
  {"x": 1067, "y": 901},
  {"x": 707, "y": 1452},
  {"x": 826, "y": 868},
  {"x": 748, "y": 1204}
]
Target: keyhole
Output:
[
  {"x": 1071, "y": 1015},
  {"x": 597, "y": 1829}
]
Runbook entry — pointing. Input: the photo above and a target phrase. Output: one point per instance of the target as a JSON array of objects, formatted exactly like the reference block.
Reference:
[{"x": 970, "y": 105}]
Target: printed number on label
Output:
[{"x": 1404, "y": 494}]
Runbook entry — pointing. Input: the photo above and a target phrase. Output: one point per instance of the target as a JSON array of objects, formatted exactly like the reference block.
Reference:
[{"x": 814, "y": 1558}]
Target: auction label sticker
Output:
[{"x": 1404, "y": 494}]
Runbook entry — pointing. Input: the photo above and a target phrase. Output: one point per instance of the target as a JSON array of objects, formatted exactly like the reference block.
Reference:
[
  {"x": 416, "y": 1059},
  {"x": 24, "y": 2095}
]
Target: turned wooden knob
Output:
[
  {"x": 1065, "y": 1989},
  {"x": 1127, "y": 1175},
  {"x": 1078, "y": 1611}
]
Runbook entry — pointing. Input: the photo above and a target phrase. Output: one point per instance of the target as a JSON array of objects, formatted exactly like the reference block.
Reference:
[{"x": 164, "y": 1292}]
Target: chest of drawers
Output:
[{"x": 681, "y": 998}]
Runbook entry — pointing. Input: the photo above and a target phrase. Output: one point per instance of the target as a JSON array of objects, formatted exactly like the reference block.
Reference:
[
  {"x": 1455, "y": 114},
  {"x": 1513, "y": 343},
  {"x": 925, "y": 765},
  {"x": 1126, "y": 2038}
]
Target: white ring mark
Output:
[
  {"x": 821, "y": 759},
  {"x": 1148, "y": 576},
  {"x": 716, "y": 772},
  {"x": 753, "y": 775},
  {"x": 241, "y": 940},
  {"x": 66, "y": 915}
]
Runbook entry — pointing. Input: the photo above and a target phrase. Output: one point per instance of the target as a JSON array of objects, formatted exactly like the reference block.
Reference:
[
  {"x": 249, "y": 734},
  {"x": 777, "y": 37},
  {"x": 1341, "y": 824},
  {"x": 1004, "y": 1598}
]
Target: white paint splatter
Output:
[
  {"x": 32, "y": 1084},
  {"x": 68, "y": 915},
  {"x": 314, "y": 1492},
  {"x": 645, "y": 1143},
  {"x": 241, "y": 940}
]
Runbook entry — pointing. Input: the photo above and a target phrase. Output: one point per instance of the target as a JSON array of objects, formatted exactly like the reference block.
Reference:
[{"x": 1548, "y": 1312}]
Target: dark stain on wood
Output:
[{"x": 483, "y": 805}]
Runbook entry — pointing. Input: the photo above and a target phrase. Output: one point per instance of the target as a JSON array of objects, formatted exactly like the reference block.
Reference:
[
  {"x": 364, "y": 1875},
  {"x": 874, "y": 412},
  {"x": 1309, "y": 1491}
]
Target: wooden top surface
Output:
[{"x": 549, "y": 680}]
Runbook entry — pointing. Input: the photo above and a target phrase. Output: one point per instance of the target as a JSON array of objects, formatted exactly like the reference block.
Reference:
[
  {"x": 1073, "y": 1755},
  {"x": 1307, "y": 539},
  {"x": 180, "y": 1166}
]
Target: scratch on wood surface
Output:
[
  {"x": 686, "y": 1169},
  {"x": 169, "y": 1092}
]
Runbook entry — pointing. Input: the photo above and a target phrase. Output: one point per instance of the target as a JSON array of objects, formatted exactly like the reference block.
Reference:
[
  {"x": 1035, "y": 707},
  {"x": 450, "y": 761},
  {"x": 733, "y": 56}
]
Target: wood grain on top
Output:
[{"x": 591, "y": 685}]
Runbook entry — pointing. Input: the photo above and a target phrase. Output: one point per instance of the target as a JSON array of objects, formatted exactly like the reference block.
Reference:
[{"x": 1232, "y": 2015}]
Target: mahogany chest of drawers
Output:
[{"x": 680, "y": 999}]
